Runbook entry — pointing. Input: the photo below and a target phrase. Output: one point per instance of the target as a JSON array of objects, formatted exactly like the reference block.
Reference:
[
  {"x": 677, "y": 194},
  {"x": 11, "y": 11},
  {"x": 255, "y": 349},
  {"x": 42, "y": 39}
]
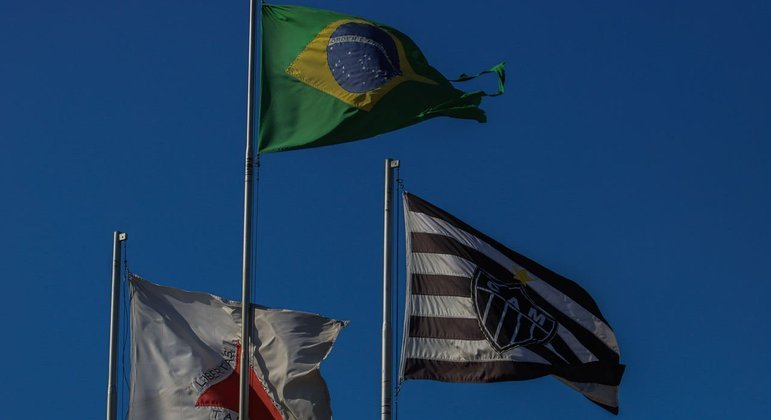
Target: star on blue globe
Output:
[{"x": 369, "y": 53}]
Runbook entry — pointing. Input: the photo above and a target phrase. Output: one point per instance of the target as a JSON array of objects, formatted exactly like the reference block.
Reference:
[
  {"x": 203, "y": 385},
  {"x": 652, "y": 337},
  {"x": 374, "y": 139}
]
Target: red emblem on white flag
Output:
[{"x": 225, "y": 394}]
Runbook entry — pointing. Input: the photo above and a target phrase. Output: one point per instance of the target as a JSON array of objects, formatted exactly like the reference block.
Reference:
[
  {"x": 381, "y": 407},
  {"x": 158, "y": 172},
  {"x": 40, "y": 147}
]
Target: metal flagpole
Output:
[
  {"x": 386, "y": 372},
  {"x": 246, "y": 269},
  {"x": 112, "y": 374}
]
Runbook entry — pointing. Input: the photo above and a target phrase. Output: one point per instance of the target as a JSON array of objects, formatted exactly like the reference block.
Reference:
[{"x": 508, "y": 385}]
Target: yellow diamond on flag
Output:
[{"x": 355, "y": 61}]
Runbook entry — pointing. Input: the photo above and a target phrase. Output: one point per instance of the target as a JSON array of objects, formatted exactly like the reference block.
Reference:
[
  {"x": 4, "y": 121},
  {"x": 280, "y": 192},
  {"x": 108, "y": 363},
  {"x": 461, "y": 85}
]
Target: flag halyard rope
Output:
[
  {"x": 255, "y": 223},
  {"x": 125, "y": 326},
  {"x": 395, "y": 317}
]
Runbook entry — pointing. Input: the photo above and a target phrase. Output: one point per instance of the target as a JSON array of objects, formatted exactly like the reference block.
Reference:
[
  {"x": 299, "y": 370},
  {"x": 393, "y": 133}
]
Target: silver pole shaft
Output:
[
  {"x": 112, "y": 375},
  {"x": 386, "y": 372},
  {"x": 246, "y": 271}
]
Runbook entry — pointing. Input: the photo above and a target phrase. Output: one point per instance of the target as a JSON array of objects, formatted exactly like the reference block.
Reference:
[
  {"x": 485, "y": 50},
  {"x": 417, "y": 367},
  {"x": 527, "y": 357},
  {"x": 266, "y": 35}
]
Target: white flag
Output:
[{"x": 184, "y": 358}]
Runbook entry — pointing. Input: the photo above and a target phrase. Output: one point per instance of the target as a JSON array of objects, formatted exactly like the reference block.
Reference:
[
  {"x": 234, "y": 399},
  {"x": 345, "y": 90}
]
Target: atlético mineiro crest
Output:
[{"x": 507, "y": 315}]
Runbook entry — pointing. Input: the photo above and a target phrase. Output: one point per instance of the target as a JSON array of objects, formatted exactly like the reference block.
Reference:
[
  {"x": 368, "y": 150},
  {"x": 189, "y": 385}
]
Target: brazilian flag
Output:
[{"x": 329, "y": 78}]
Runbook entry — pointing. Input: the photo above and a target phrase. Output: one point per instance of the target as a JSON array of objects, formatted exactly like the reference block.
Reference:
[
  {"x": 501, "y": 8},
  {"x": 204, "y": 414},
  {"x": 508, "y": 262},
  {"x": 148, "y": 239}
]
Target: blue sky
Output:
[{"x": 629, "y": 153}]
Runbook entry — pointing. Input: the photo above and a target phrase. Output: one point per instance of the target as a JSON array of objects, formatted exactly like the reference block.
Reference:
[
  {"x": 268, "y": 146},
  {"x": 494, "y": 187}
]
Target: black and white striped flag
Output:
[{"x": 477, "y": 311}]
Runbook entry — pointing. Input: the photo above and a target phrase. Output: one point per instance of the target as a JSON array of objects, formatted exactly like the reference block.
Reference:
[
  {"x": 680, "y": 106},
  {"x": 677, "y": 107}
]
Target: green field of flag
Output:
[{"x": 329, "y": 78}]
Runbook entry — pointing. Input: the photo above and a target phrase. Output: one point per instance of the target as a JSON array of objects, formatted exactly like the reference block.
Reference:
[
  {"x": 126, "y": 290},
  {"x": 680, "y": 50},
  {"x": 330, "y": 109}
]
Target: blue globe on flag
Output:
[{"x": 362, "y": 57}]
